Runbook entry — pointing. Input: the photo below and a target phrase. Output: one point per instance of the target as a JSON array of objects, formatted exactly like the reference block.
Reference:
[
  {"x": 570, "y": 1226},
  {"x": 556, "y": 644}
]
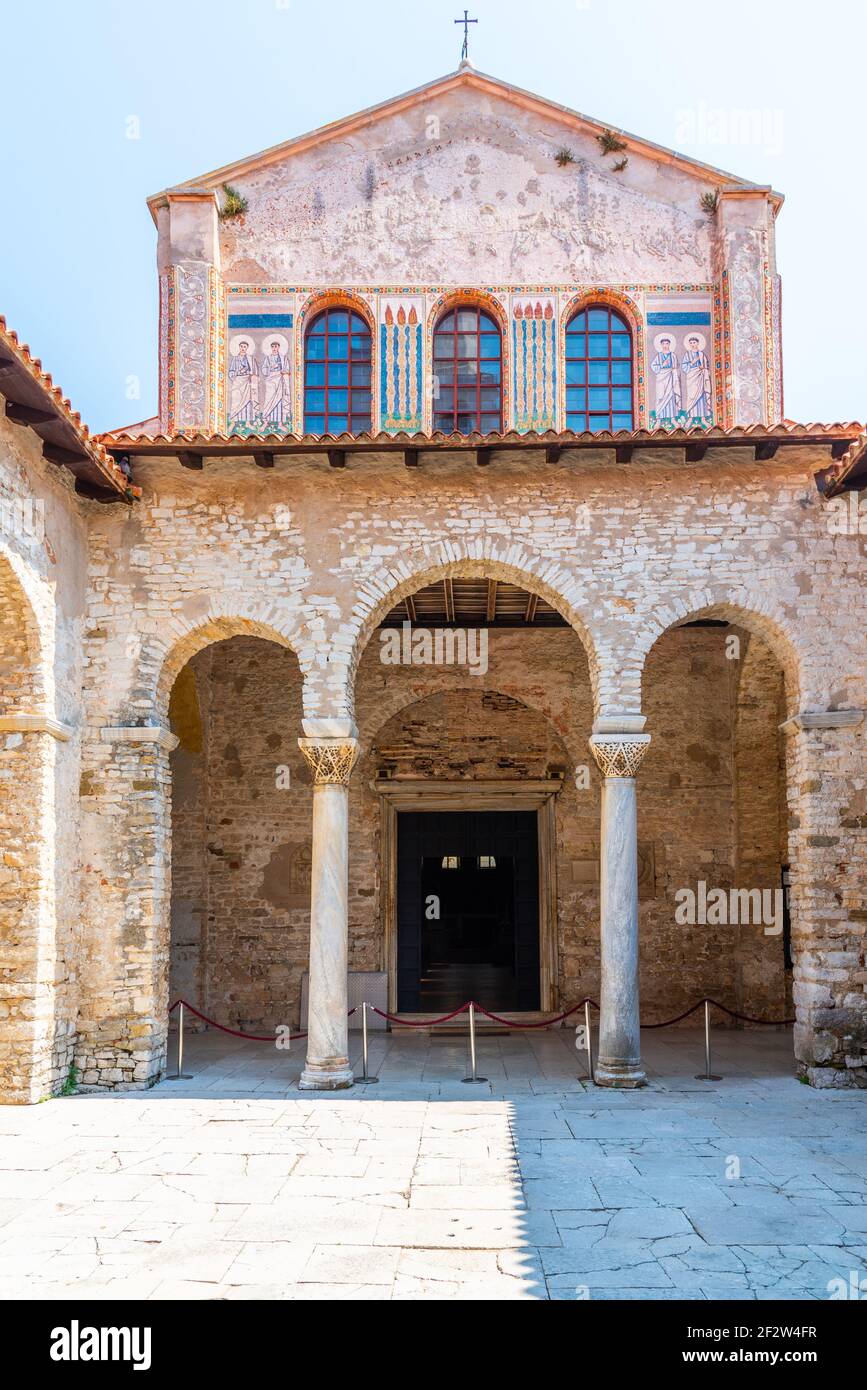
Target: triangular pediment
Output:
[{"x": 472, "y": 85}]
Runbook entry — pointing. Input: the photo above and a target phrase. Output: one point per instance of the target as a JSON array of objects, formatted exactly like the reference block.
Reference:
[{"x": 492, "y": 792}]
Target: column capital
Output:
[
  {"x": 331, "y": 760},
  {"x": 619, "y": 755}
]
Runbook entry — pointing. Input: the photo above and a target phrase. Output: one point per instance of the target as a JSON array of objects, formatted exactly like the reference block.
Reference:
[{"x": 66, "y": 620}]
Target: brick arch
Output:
[
  {"x": 481, "y": 299},
  {"x": 162, "y": 663},
  {"x": 624, "y": 305},
  {"x": 24, "y": 676},
  {"x": 335, "y": 299},
  {"x": 402, "y": 701},
  {"x": 757, "y": 614},
  {"x": 457, "y": 559}
]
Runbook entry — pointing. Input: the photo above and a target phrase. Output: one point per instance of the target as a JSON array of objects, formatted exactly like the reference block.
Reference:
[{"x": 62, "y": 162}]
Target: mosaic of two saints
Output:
[
  {"x": 683, "y": 380},
  {"x": 260, "y": 383}
]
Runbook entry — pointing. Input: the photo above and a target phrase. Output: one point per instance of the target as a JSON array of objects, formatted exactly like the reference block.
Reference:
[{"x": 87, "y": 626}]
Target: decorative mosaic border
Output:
[
  {"x": 167, "y": 352},
  {"x": 628, "y": 299}
]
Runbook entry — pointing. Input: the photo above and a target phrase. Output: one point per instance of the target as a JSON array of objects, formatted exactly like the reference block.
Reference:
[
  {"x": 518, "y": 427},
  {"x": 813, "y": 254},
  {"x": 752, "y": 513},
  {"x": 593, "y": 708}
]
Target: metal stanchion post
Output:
[
  {"x": 180, "y": 1074},
  {"x": 706, "y": 1074},
  {"x": 364, "y": 1079},
  {"x": 589, "y": 1039},
  {"x": 472, "y": 1077}
]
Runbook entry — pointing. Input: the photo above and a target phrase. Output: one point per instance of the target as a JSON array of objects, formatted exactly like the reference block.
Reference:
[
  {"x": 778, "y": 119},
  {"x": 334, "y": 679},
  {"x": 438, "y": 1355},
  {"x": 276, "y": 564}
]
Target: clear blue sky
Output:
[{"x": 213, "y": 80}]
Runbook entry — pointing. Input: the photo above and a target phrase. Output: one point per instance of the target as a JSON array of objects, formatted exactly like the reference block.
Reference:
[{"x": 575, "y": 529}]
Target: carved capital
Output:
[
  {"x": 619, "y": 755},
  {"x": 331, "y": 760}
]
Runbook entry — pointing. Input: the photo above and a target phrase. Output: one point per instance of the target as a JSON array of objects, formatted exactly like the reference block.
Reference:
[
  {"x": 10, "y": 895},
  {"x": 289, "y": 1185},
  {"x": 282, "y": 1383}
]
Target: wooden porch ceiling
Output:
[{"x": 474, "y": 603}]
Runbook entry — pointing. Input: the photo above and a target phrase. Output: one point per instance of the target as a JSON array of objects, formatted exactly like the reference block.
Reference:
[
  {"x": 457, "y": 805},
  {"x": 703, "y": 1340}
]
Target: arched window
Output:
[
  {"x": 468, "y": 372},
  {"x": 337, "y": 363},
  {"x": 598, "y": 371}
]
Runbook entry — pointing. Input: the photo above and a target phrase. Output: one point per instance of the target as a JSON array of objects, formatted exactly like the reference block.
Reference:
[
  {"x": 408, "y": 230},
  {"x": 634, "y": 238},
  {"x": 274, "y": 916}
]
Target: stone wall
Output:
[
  {"x": 709, "y": 808},
  {"x": 313, "y": 558},
  {"x": 42, "y": 601}
]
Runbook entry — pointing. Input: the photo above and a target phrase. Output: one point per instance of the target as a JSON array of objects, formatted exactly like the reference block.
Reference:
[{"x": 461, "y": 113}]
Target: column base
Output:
[
  {"x": 623, "y": 1076},
  {"x": 327, "y": 1077}
]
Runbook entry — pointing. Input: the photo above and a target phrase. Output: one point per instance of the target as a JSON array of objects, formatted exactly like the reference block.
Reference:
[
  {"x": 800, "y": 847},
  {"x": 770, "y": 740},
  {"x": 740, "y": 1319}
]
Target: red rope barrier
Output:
[
  {"x": 233, "y": 1032},
  {"x": 742, "y": 1018},
  {"x": 669, "y": 1021},
  {"x": 495, "y": 1018},
  {"x": 745, "y": 1018},
  {"x": 545, "y": 1023},
  {"x": 425, "y": 1023}
]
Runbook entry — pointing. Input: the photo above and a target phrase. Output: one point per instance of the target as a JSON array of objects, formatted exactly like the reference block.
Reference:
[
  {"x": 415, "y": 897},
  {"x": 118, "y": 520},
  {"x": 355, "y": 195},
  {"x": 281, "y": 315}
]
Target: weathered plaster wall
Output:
[{"x": 464, "y": 188}]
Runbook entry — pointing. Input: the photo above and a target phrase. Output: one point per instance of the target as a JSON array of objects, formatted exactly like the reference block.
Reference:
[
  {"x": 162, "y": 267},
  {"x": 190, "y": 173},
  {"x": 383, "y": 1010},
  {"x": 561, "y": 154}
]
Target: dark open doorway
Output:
[{"x": 468, "y": 910}]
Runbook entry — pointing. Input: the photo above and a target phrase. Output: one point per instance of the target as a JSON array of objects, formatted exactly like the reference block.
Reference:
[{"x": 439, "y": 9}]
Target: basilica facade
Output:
[{"x": 470, "y": 620}]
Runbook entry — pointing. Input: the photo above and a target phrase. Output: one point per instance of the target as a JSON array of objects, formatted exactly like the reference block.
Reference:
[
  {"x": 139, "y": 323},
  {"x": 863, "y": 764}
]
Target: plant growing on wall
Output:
[
  {"x": 234, "y": 204},
  {"x": 609, "y": 143},
  {"x": 564, "y": 157},
  {"x": 620, "y": 165},
  {"x": 710, "y": 202}
]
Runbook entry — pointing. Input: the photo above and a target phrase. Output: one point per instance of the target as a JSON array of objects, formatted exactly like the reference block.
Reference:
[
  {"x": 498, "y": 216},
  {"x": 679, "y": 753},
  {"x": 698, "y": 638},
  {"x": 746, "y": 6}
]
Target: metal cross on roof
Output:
[{"x": 466, "y": 22}]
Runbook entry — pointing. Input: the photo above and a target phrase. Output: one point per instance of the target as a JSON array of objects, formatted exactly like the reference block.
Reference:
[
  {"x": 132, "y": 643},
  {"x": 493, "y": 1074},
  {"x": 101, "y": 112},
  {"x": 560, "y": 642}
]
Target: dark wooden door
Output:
[{"x": 509, "y": 835}]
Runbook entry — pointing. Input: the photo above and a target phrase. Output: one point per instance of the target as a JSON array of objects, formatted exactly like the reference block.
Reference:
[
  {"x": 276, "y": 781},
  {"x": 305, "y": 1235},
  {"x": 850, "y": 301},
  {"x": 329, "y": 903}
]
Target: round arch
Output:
[
  {"x": 533, "y": 573},
  {"x": 313, "y": 305},
  {"x": 174, "y": 651},
  {"x": 24, "y": 678},
  {"x": 757, "y": 615},
  {"x": 624, "y": 305},
  {"x": 401, "y": 702},
  {"x": 479, "y": 299}
]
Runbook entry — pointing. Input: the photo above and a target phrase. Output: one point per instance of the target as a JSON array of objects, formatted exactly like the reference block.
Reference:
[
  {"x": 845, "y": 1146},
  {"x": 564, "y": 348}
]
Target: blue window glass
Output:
[
  {"x": 598, "y": 371},
  {"x": 337, "y": 361},
  {"x": 467, "y": 350}
]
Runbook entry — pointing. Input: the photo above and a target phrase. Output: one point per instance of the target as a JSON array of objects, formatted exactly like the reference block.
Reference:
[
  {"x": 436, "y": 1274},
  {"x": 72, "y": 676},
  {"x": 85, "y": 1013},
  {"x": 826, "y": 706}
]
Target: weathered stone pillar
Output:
[
  {"x": 126, "y": 840},
  {"x": 825, "y": 786},
  {"x": 327, "y": 1067},
  {"x": 37, "y": 1036},
  {"x": 191, "y": 310},
  {"x": 619, "y": 1061}
]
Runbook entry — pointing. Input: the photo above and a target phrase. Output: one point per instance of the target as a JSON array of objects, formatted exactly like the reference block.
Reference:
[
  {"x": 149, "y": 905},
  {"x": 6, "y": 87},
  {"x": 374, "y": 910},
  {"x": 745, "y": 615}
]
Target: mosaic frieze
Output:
[
  {"x": 255, "y": 355},
  {"x": 401, "y": 363}
]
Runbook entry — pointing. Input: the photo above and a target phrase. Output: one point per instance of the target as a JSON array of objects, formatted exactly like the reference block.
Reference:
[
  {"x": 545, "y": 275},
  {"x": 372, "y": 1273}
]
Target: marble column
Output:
[
  {"x": 327, "y": 1067},
  {"x": 619, "y": 1056}
]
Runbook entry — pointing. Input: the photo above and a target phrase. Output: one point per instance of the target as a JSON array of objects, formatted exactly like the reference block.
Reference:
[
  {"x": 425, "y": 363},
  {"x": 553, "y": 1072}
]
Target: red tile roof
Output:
[{"x": 25, "y": 384}]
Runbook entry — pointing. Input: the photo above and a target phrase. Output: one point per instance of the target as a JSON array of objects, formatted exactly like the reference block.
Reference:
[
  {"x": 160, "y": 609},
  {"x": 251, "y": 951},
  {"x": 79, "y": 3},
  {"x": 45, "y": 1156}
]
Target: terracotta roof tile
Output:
[{"x": 60, "y": 406}]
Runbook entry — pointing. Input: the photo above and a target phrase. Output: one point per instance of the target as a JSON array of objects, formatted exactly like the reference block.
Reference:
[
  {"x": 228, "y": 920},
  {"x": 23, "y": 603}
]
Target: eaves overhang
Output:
[
  {"x": 32, "y": 401},
  {"x": 193, "y": 449}
]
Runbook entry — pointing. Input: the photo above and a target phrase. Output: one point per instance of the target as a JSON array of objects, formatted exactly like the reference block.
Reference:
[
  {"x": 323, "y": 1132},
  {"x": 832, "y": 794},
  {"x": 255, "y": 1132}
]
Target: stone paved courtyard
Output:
[{"x": 234, "y": 1185}]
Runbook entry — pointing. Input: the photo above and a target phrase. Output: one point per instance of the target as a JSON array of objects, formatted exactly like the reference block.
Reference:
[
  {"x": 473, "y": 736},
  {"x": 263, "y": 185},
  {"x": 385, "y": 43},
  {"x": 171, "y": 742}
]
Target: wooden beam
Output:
[
  {"x": 337, "y": 458},
  {"x": 532, "y": 602},
  {"x": 483, "y": 457},
  {"x": 695, "y": 452},
  {"x": 553, "y": 452},
  {"x": 448, "y": 590},
  {"x": 21, "y": 414},
  {"x": 94, "y": 493},
  {"x": 66, "y": 458},
  {"x": 263, "y": 458},
  {"x": 491, "y": 610},
  {"x": 190, "y": 460},
  {"x": 766, "y": 450},
  {"x": 623, "y": 453},
  {"x": 410, "y": 458},
  {"x": 410, "y": 608}
]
